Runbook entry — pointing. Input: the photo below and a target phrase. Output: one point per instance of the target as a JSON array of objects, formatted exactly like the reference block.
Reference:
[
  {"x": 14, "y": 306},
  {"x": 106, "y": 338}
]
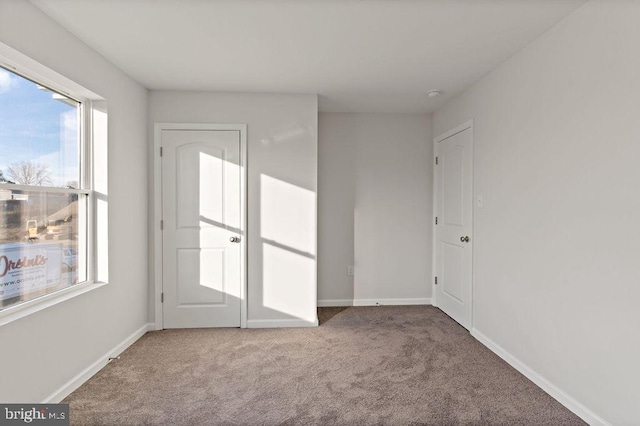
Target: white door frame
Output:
[
  {"x": 454, "y": 131},
  {"x": 157, "y": 210}
]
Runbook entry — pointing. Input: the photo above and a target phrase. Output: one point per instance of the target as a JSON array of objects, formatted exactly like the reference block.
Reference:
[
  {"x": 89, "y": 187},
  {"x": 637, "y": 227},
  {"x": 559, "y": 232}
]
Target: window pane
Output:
[
  {"x": 42, "y": 243},
  {"x": 39, "y": 134}
]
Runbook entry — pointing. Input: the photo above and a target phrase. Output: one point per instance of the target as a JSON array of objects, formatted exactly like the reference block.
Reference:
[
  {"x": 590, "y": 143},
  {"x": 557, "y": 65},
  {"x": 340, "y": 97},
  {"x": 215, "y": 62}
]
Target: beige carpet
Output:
[{"x": 380, "y": 365}]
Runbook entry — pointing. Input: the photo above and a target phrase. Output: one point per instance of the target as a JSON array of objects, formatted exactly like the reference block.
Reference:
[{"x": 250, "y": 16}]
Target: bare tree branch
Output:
[{"x": 29, "y": 173}]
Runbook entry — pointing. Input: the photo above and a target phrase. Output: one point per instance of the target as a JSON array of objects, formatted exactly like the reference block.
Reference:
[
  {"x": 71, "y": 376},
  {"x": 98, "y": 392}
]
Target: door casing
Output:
[
  {"x": 436, "y": 140},
  {"x": 155, "y": 225}
]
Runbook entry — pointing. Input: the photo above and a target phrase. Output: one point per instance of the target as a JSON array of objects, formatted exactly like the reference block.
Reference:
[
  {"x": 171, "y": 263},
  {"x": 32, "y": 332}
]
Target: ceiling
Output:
[{"x": 357, "y": 55}]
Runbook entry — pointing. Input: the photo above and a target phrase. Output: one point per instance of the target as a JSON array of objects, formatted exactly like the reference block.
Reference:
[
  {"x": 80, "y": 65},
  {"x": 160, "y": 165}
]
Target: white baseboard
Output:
[
  {"x": 382, "y": 302},
  {"x": 73, "y": 384},
  {"x": 281, "y": 323},
  {"x": 334, "y": 302},
  {"x": 578, "y": 409}
]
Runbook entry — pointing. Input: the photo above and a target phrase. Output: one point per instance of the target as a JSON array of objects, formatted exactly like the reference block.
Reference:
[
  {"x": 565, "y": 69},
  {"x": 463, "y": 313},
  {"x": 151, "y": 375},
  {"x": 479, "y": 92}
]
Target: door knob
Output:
[
  {"x": 234, "y": 239},
  {"x": 464, "y": 239}
]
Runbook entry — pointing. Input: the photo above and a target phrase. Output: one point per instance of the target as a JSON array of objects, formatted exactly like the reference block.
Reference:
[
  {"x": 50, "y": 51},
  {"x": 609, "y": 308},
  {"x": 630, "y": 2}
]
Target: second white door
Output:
[
  {"x": 454, "y": 228},
  {"x": 202, "y": 235}
]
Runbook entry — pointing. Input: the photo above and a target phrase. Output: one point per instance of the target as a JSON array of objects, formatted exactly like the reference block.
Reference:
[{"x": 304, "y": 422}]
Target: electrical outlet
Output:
[{"x": 350, "y": 270}]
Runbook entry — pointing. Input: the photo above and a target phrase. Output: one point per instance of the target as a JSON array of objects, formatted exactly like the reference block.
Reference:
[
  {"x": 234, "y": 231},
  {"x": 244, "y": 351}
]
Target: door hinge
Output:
[
  {"x": 436, "y": 280},
  {"x": 161, "y": 297},
  {"x": 160, "y": 151},
  {"x": 161, "y": 225},
  {"x": 436, "y": 220},
  {"x": 436, "y": 161}
]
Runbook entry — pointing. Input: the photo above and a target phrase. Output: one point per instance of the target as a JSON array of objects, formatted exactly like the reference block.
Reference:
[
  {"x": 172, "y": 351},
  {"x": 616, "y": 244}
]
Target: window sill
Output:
[{"x": 36, "y": 305}]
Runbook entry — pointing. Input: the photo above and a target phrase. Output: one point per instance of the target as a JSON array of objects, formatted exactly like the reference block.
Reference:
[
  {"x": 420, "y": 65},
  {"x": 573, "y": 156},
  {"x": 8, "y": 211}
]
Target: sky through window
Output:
[{"x": 39, "y": 127}]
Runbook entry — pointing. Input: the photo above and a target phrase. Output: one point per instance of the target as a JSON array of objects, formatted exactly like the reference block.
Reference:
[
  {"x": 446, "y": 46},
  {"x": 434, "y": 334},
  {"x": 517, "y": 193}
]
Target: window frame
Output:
[{"x": 29, "y": 69}]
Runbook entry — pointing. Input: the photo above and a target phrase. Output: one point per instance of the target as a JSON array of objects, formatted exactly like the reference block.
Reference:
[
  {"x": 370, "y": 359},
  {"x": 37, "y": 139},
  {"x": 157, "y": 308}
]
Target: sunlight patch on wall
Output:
[
  {"x": 288, "y": 215},
  {"x": 286, "y": 277}
]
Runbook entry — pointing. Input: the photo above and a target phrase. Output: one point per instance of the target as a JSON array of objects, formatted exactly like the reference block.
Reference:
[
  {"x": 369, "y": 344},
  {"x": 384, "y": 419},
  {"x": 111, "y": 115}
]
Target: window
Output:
[{"x": 45, "y": 193}]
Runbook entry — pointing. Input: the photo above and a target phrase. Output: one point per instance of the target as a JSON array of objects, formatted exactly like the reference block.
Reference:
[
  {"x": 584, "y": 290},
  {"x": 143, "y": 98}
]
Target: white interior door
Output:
[
  {"x": 454, "y": 228},
  {"x": 202, "y": 228}
]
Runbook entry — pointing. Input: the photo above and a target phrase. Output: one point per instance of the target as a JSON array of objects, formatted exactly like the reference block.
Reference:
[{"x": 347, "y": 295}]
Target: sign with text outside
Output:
[{"x": 28, "y": 269}]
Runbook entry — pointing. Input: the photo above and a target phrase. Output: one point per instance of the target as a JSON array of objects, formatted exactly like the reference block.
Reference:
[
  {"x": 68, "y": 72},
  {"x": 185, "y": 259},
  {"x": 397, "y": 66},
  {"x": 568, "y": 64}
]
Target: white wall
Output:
[
  {"x": 282, "y": 179},
  {"x": 45, "y": 350},
  {"x": 375, "y": 194},
  {"x": 336, "y": 204},
  {"x": 556, "y": 244}
]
